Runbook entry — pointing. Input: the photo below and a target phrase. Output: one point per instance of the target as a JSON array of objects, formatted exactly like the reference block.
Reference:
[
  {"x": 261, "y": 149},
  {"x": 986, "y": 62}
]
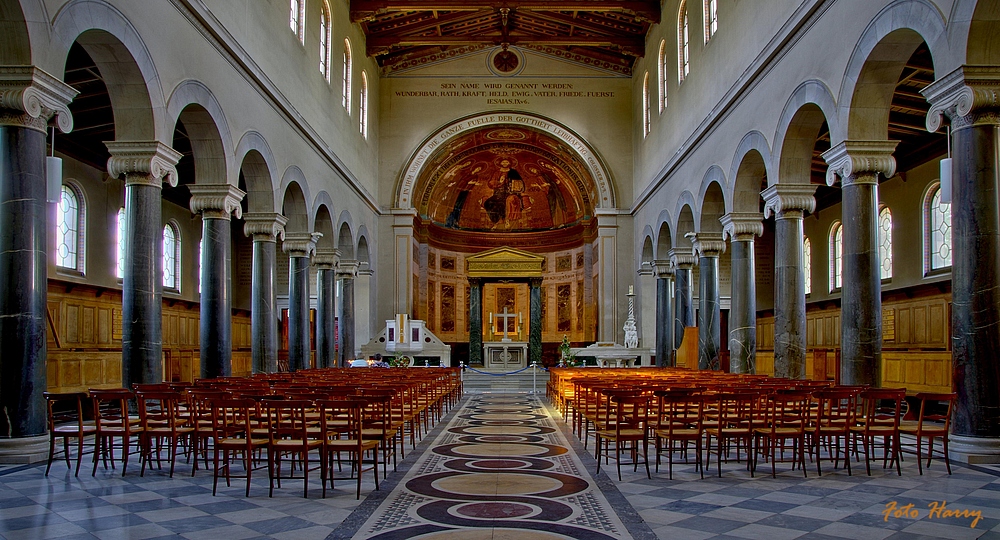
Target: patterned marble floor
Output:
[{"x": 533, "y": 472}]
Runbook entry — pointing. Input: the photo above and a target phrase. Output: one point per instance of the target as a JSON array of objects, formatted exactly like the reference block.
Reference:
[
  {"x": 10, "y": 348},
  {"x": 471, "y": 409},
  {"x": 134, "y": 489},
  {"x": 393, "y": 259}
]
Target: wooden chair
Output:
[
  {"x": 345, "y": 438},
  {"x": 232, "y": 434},
  {"x": 66, "y": 421},
  {"x": 161, "y": 422},
  {"x": 881, "y": 411},
  {"x": 112, "y": 421},
  {"x": 931, "y": 425},
  {"x": 289, "y": 433},
  {"x": 786, "y": 416},
  {"x": 831, "y": 425},
  {"x": 630, "y": 425},
  {"x": 678, "y": 420},
  {"x": 735, "y": 420}
]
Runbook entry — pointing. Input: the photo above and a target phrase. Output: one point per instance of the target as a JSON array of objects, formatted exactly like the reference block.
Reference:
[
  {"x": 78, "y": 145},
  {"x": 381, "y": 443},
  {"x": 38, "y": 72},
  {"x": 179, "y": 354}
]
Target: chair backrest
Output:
[
  {"x": 231, "y": 417},
  {"x": 65, "y": 408},
  {"x": 736, "y": 408},
  {"x": 111, "y": 409},
  {"x": 630, "y": 411},
  {"x": 882, "y": 406},
  {"x": 159, "y": 409},
  {"x": 835, "y": 407},
  {"x": 927, "y": 415},
  {"x": 286, "y": 418},
  {"x": 679, "y": 409},
  {"x": 787, "y": 409},
  {"x": 342, "y": 417}
]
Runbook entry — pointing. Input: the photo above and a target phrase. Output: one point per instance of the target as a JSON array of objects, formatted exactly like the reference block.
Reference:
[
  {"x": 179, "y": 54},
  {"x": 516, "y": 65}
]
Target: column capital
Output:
[
  {"x": 742, "y": 226},
  {"x": 326, "y": 259},
  {"x": 969, "y": 95},
  {"x": 265, "y": 226},
  {"x": 707, "y": 244},
  {"x": 475, "y": 281},
  {"x": 535, "y": 282},
  {"x": 300, "y": 244},
  {"x": 646, "y": 269},
  {"x": 780, "y": 199},
  {"x": 860, "y": 162},
  {"x": 682, "y": 259},
  {"x": 29, "y": 97},
  {"x": 347, "y": 269},
  {"x": 216, "y": 201},
  {"x": 148, "y": 163},
  {"x": 365, "y": 269},
  {"x": 663, "y": 268}
]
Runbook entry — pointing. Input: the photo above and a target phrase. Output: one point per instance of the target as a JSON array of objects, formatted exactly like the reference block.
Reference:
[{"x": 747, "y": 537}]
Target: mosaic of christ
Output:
[{"x": 504, "y": 187}]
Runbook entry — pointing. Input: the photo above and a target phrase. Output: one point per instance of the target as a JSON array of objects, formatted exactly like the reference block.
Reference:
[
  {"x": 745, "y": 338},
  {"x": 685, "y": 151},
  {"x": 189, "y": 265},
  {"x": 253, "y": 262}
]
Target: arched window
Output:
[
  {"x": 807, "y": 254},
  {"x": 171, "y": 257},
  {"x": 711, "y": 18},
  {"x": 325, "y": 33},
  {"x": 347, "y": 76},
  {"x": 120, "y": 267},
  {"x": 662, "y": 75},
  {"x": 836, "y": 256},
  {"x": 71, "y": 225},
  {"x": 645, "y": 105},
  {"x": 363, "y": 105},
  {"x": 885, "y": 242},
  {"x": 937, "y": 230},
  {"x": 296, "y": 18},
  {"x": 683, "y": 44}
]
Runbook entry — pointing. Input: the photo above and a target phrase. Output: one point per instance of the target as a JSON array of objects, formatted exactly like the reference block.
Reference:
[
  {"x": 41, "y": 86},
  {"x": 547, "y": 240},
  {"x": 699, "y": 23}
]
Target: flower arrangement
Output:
[
  {"x": 401, "y": 361},
  {"x": 566, "y": 358}
]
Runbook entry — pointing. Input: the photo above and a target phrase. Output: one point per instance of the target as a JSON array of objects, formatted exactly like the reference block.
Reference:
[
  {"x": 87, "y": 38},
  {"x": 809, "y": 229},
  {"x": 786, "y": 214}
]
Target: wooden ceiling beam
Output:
[
  {"x": 423, "y": 26},
  {"x": 382, "y": 44},
  {"x": 646, "y": 10}
]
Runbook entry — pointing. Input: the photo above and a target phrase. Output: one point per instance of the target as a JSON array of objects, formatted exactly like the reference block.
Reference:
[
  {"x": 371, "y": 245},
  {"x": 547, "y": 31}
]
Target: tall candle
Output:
[{"x": 630, "y": 289}]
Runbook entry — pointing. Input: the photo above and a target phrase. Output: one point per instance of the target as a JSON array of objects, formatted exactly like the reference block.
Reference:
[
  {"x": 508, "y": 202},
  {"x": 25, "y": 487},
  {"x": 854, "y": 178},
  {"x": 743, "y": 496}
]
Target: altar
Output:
[{"x": 506, "y": 355}]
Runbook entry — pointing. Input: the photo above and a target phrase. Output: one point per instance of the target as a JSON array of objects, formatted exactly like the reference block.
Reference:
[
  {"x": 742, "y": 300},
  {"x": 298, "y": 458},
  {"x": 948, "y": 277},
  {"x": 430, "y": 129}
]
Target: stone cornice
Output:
[
  {"x": 29, "y": 97},
  {"x": 682, "y": 259},
  {"x": 742, "y": 226},
  {"x": 300, "y": 244},
  {"x": 707, "y": 244},
  {"x": 851, "y": 160},
  {"x": 264, "y": 225},
  {"x": 782, "y": 198},
  {"x": 148, "y": 163},
  {"x": 968, "y": 95},
  {"x": 326, "y": 259},
  {"x": 216, "y": 201},
  {"x": 664, "y": 269}
]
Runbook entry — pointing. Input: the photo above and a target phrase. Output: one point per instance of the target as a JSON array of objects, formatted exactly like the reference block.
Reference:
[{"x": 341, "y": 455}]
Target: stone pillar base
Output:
[
  {"x": 974, "y": 450},
  {"x": 24, "y": 450}
]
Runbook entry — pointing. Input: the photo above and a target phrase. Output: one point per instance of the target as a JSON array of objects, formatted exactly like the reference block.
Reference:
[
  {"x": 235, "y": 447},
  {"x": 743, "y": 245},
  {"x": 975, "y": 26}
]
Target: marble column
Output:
[
  {"x": 859, "y": 164},
  {"x": 326, "y": 301},
  {"x": 29, "y": 98},
  {"x": 363, "y": 304},
  {"x": 475, "y": 321},
  {"x": 664, "y": 313},
  {"x": 299, "y": 247},
  {"x": 216, "y": 203},
  {"x": 708, "y": 246},
  {"x": 788, "y": 203},
  {"x": 346, "y": 271},
  {"x": 264, "y": 228},
  {"x": 145, "y": 165},
  {"x": 682, "y": 262},
  {"x": 970, "y": 97},
  {"x": 535, "y": 321},
  {"x": 741, "y": 228}
]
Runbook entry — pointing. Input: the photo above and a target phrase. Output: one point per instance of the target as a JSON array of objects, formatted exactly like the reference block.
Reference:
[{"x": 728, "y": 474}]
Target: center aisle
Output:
[{"x": 501, "y": 469}]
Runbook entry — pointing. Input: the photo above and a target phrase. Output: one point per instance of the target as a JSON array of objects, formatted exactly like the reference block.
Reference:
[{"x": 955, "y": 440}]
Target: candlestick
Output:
[{"x": 630, "y": 290}]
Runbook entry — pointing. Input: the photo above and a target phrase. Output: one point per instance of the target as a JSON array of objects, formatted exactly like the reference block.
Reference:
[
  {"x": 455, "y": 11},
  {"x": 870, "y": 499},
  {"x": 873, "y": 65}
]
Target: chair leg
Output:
[
  {"x": 79, "y": 455},
  {"x": 52, "y": 453},
  {"x": 920, "y": 466}
]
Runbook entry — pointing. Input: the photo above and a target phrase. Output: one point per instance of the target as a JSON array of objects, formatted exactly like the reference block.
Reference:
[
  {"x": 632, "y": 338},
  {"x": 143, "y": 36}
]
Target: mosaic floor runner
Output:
[{"x": 501, "y": 469}]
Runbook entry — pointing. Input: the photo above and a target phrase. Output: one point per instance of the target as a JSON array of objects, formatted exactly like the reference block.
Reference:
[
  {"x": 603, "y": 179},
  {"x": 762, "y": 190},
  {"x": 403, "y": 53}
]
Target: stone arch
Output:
[
  {"x": 744, "y": 193},
  {"x": 193, "y": 103},
  {"x": 363, "y": 253},
  {"x": 748, "y": 174},
  {"x": 877, "y": 61},
  {"x": 646, "y": 254},
  {"x": 685, "y": 222},
  {"x": 293, "y": 205},
  {"x": 713, "y": 200},
  {"x": 973, "y": 27},
  {"x": 664, "y": 240},
  {"x": 17, "y": 42},
  {"x": 589, "y": 158},
  {"x": 345, "y": 238},
  {"x": 257, "y": 166},
  {"x": 323, "y": 223},
  {"x": 805, "y": 111},
  {"x": 126, "y": 66}
]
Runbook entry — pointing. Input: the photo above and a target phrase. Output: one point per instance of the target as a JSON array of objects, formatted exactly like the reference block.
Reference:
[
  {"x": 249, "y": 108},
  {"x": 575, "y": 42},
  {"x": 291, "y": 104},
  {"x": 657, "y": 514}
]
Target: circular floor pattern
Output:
[
  {"x": 493, "y": 449},
  {"x": 497, "y": 484},
  {"x": 495, "y": 510}
]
